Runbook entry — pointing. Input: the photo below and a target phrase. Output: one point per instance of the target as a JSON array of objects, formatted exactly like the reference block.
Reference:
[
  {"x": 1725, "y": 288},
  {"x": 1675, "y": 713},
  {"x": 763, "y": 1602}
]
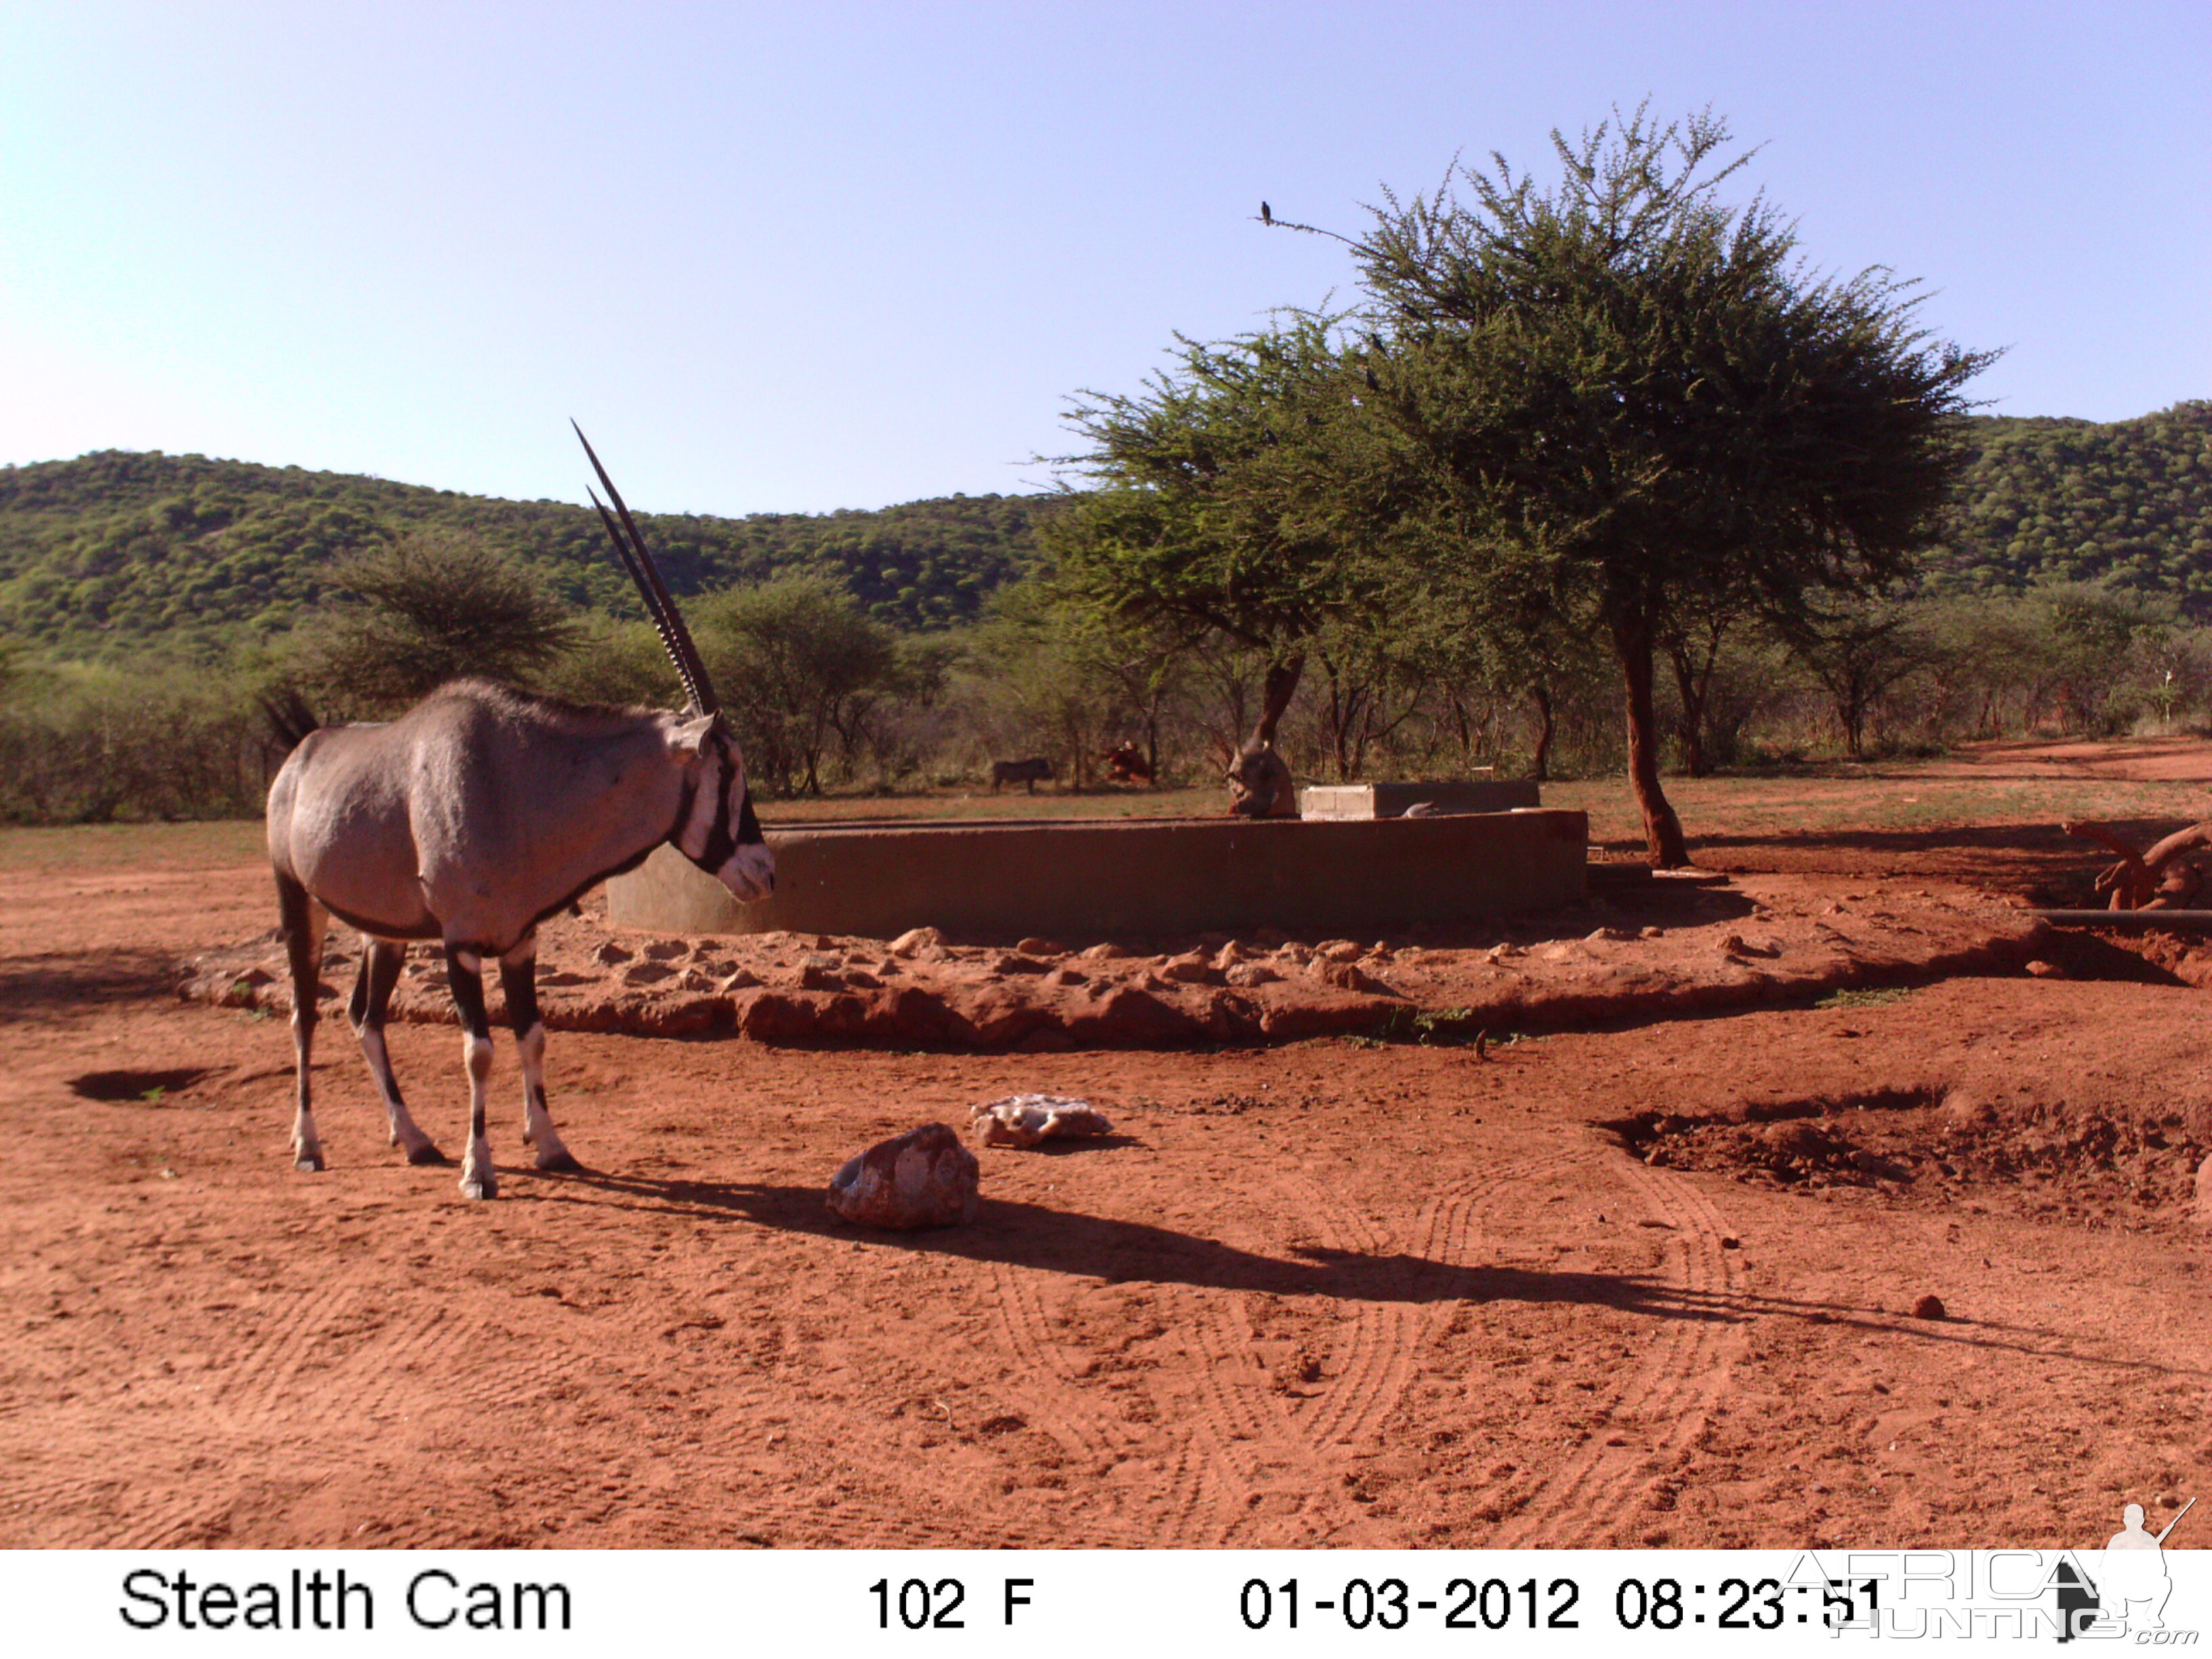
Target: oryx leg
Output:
[
  {"x": 517, "y": 980},
  {"x": 303, "y": 921},
  {"x": 380, "y": 962},
  {"x": 465, "y": 973}
]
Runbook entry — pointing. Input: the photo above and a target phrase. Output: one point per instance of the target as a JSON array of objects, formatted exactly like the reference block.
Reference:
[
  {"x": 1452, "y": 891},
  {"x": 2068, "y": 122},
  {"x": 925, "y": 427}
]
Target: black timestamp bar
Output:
[{"x": 1392, "y": 1604}]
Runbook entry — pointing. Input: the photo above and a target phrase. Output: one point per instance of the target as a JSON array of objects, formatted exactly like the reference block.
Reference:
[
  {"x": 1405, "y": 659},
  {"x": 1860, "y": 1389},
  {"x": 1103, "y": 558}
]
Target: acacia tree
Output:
[
  {"x": 1633, "y": 395},
  {"x": 431, "y": 606},
  {"x": 1227, "y": 503},
  {"x": 801, "y": 665}
]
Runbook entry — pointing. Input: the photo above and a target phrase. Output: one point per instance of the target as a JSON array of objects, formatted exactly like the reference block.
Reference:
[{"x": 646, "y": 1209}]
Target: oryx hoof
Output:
[
  {"x": 484, "y": 1186},
  {"x": 308, "y": 1162},
  {"x": 561, "y": 1161},
  {"x": 427, "y": 1152}
]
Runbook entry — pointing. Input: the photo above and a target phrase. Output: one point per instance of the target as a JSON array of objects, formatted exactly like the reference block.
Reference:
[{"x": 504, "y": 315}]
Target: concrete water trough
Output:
[{"x": 1086, "y": 877}]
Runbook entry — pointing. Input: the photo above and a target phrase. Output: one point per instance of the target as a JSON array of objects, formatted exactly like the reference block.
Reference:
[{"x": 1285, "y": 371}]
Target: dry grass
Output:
[{"x": 1899, "y": 796}]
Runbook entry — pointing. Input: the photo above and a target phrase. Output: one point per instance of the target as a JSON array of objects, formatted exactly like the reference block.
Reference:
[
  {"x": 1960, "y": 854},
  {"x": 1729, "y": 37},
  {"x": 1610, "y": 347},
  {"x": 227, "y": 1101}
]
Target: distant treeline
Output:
[{"x": 110, "y": 555}]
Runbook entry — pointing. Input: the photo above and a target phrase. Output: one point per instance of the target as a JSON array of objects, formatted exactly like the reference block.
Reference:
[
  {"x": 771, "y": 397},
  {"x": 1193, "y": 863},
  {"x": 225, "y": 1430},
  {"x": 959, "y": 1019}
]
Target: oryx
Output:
[{"x": 472, "y": 817}]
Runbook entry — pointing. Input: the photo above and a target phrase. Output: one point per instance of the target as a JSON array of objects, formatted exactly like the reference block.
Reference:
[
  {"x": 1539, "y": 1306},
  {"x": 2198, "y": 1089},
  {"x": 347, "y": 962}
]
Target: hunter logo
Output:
[{"x": 2125, "y": 1591}]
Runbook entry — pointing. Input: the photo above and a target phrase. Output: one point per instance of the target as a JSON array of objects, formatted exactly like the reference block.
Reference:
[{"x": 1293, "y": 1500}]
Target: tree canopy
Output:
[
  {"x": 1228, "y": 501},
  {"x": 1633, "y": 394},
  {"x": 432, "y": 606}
]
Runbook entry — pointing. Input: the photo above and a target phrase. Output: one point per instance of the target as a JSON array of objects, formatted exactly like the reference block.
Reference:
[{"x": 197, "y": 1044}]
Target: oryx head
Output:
[{"x": 717, "y": 830}]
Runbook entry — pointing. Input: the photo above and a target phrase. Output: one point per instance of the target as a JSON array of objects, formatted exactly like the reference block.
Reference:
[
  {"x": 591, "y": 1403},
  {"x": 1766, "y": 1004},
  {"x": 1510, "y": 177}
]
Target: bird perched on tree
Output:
[{"x": 1267, "y": 214}]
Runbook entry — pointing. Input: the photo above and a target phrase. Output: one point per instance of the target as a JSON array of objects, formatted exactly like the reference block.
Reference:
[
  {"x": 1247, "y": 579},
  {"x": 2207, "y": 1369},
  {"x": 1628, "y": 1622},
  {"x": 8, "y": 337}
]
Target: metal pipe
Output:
[{"x": 2136, "y": 922}]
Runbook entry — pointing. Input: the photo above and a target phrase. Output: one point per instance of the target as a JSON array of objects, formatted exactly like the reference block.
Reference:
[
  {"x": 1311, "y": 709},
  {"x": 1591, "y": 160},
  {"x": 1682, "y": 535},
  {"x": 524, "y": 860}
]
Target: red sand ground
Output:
[{"x": 1637, "y": 1282}]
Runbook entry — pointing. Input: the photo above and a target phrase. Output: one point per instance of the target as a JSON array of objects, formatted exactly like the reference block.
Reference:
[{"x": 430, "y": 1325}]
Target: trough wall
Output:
[{"x": 1070, "y": 879}]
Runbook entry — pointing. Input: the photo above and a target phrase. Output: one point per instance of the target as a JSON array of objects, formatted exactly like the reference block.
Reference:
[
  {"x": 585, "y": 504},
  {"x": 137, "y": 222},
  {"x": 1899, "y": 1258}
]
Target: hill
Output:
[
  {"x": 2066, "y": 501},
  {"x": 110, "y": 551},
  {"x": 113, "y": 551}
]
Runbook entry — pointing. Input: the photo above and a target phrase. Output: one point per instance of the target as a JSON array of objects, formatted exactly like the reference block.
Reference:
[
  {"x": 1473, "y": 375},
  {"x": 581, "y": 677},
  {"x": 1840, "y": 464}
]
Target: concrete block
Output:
[{"x": 1390, "y": 801}]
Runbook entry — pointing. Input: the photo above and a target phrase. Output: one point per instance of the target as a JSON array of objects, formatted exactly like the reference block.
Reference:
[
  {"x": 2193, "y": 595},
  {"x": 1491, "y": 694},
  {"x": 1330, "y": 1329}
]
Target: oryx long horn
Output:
[{"x": 659, "y": 604}]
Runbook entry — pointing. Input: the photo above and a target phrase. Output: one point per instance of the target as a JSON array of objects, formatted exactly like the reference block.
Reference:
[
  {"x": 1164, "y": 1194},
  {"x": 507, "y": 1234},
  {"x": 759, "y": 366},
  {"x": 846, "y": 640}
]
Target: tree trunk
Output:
[
  {"x": 1542, "y": 769},
  {"x": 1693, "y": 685},
  {"x": 1282, "y": 684},
  {"x": 1663, "y": 830}
]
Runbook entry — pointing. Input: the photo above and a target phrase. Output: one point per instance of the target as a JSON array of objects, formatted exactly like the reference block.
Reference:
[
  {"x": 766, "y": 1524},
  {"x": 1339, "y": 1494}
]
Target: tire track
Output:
[
  {"x": 1054, "y": 1403},
  {"x": 1382, "y": 1352},
  {"x": 1679, "y": 1378}
]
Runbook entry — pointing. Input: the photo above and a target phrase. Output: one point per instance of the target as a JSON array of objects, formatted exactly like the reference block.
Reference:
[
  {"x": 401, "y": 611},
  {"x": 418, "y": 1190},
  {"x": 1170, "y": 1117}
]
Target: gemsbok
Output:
[{"x": 471, "y": 818}]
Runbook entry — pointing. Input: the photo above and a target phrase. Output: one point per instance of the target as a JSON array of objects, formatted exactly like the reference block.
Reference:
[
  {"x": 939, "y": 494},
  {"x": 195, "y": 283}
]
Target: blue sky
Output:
[{"x": 790, "y": 258}]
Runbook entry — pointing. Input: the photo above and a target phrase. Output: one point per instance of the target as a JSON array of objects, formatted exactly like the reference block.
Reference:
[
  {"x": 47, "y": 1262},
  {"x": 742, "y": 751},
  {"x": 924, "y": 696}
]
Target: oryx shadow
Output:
[{"x": 1114, "y": 1251}]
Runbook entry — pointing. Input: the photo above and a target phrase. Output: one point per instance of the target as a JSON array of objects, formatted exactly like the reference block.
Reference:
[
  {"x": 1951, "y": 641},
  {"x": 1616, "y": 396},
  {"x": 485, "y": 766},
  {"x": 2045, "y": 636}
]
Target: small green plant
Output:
[
  {"x": 1439, "y": 1027},
  {"x": 1874, "y": 999}
]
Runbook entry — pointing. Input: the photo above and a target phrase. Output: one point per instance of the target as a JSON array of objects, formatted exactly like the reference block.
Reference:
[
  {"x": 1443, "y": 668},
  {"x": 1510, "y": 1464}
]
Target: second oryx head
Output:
[{"x": 718, "y": 831}]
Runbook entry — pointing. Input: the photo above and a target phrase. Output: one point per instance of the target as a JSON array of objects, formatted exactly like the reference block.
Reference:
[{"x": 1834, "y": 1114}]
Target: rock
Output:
[
  {"x": 1505, "y": 953},
  {"x": 1604, "y": 935},
  {"x": 1930, "y": 1307},
  {"x": 2046, "y": 970},
  {"x": 2204, "y": 1193},
  {"x": 1066, "y": 977},
  {"x": 1041, "y": 947},
  {"x": 1338, "y": 950},
  {"x": 1189, "y": 969},
  {"x": 923, "y": 1178},
  {"x": 818, "y": 975},
  {"x": 1246, "y": 974},
  {"x": 743, "y": 979},
  {"x": 666, "y": 950},
  {"x": 610, "y": 953},
  {"x": 1350, "y": 976},
  {"x": 1025, "y": 1120},
  {"x": 647, "y": 973},
  {"x": 1229, "y": 955},
  {"x": 1125, "y": 1017},
  {"x": 1651, "y": 932},
  {"x": 692, "y": 979},
  {"x": 916, "y": 941},
  {"x": 1105, "y": 952}
]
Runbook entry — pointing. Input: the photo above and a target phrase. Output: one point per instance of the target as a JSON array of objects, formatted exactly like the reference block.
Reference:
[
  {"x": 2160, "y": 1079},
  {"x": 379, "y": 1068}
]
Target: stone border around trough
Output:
[{"x": 1746, "y": 943}]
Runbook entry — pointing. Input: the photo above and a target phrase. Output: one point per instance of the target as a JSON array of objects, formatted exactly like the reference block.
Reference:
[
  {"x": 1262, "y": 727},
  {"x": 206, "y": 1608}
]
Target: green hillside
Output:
[
  {"x": 111, "y": 551},
  {"x": 2068, "y": 500}
]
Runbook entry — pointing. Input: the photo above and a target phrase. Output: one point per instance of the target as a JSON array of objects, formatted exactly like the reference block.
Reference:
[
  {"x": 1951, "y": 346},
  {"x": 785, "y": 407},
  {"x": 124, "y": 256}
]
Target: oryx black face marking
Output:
[{"x": 447, "y": 824}]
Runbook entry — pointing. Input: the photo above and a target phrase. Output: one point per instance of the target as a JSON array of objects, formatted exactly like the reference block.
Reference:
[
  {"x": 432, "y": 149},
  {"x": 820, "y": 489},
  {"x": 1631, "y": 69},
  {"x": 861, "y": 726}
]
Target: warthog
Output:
[{"x": 1020, "y": 771}]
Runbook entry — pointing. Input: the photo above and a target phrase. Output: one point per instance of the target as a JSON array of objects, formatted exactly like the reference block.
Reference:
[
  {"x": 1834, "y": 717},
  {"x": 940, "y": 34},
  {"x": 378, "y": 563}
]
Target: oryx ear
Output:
[{"x": 690, "y": 737}]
